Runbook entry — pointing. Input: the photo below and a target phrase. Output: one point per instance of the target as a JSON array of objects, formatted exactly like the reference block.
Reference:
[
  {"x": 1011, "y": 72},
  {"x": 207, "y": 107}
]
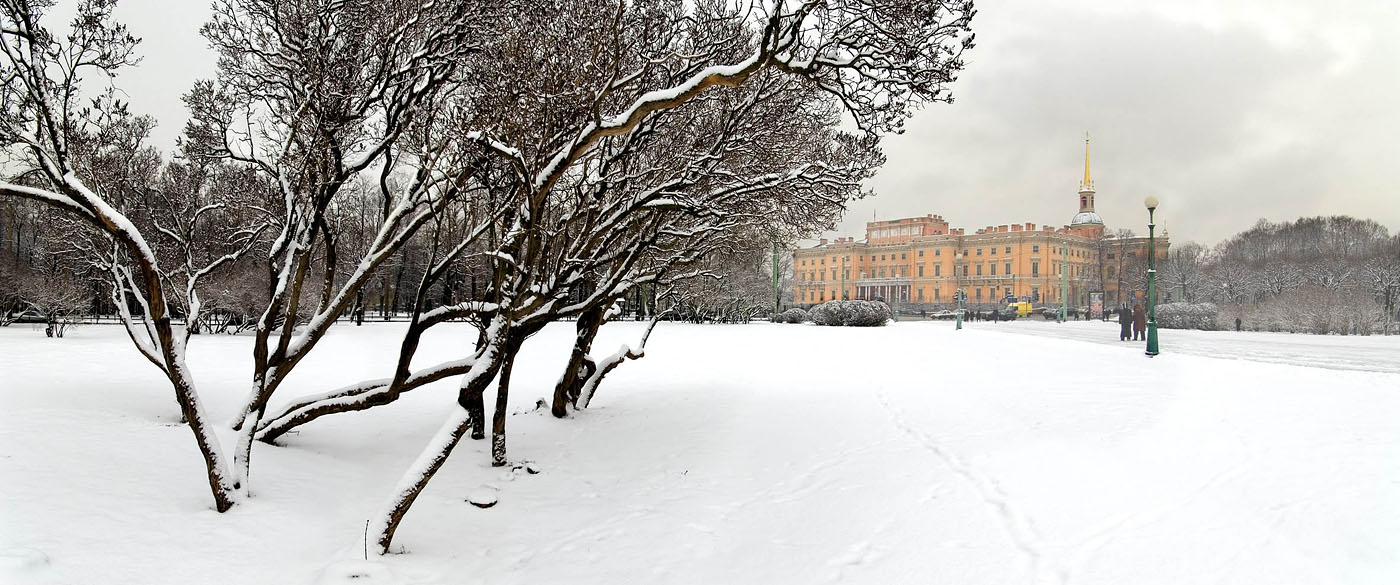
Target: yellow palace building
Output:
[{"x": 919, "y": 262}]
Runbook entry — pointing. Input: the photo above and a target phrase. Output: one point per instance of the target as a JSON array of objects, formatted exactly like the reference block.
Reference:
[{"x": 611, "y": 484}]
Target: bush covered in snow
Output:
[
  {"x": 851, "y": 313},
  {"x": 1187, "y": 316},
  {"x": 793, "y": 315}
]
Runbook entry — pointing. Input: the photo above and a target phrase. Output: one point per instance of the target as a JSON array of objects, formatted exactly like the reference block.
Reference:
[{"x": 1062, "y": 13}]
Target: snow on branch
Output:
[{"x": 611, "y": 362}]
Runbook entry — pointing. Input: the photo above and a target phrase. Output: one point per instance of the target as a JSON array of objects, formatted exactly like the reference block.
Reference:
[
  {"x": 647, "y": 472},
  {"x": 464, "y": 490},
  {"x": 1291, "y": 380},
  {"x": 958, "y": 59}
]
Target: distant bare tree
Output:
[{"x": 1184, "y": 269}]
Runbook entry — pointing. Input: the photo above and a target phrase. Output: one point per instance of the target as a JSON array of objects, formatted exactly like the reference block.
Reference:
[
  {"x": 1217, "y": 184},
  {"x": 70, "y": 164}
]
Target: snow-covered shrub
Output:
[
  {"x": 851, "y": 313},
  {"x": 1187, "y": 316},
  {"x": 793, "y": 315},
  {"x": 825, "y": 314}
]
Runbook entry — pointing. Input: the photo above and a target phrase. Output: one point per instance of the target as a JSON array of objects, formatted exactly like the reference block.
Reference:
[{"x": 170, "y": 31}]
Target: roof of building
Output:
[{"x": 1086, "y": 218}]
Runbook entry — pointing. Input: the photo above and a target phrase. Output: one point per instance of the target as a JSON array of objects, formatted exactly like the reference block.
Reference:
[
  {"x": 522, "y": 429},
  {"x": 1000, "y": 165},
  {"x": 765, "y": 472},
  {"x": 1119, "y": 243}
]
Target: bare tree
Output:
[
  {"x": 1382, "y": 274},
  {"x": 41, "y": 120},
  {"x": 1183, "y": 270},
  {"x": 311, "y": 94},
  {"x": 316, "y": 96},
  {"x": 625, "y": 225}
]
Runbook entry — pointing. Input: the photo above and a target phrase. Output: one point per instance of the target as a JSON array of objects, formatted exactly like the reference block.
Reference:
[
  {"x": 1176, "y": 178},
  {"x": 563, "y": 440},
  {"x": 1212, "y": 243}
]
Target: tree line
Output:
[
  {"x": 504, "y": 164},
  {"x": 1326, "y": 275}
]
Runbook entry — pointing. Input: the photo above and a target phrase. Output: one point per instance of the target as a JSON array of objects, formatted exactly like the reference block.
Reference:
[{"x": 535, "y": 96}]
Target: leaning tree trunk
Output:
[
  {"x": 580, "y": 366},
  {"x": 440, "y": 447},
  {"x": 607, "y": 364},
  {"x": 498, "y": 421}
]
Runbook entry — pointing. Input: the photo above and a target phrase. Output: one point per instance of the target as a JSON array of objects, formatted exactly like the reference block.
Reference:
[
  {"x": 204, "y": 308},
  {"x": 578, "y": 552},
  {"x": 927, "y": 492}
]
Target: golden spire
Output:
[{"x": 1088, "y": 185}]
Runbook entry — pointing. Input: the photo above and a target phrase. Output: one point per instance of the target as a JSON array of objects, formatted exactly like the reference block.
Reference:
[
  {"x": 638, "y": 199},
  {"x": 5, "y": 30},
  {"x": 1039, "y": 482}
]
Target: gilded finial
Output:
[{"x": 1088, "y": 184}]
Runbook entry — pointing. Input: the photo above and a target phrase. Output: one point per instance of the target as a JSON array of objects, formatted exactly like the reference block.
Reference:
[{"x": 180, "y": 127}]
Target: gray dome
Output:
[{"x": 1086, "y": 218}]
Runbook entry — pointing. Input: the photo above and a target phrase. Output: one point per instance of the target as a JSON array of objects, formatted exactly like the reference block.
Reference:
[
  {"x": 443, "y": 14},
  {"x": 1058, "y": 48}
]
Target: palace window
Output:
[
  {"x": 938, "y": 252},
  {"x": 994, "y": 269},
  {"x": 979, "y": 270},
  {"x": 979, "y": 251},
  {"x": 921, "y": 271},
  {"x": 1008, "y": 268},
  {"x": 1008, "y": 249},
  {"x": 936, "y": 294},
  {"x": 938, "y": 270},
  {"x": 1035, "y": 248},
  {"x": 1035, "y": 269},
  {"x": 904, "y": 256},
  {"x": 979, "y": 295},
  {"x": 994, "y": 250}
]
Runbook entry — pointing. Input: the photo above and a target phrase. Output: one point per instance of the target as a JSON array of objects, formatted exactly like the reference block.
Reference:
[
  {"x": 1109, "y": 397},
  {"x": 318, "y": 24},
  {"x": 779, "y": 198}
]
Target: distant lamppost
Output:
[
  {"x": 777, "y": 295},
  {"x": 843, "y": 277},
  {"x": 961, "y": 296},
  {"x": 1151, "y": 203},
  {"x": 958, "y": 294},
  {"x": 1064, "y": 283}
]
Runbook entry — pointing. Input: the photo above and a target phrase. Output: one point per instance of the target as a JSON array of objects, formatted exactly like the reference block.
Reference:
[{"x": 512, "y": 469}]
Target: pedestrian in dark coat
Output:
[
  {"x": 1125, "y": 324},
  {"x": 1139, "y": 323}
]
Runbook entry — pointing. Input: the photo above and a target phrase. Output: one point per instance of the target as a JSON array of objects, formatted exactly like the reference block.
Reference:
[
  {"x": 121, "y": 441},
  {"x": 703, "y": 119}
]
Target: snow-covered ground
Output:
[
  {"x": 1373, "y": 353},
  {"x": 737, "y": 454}
]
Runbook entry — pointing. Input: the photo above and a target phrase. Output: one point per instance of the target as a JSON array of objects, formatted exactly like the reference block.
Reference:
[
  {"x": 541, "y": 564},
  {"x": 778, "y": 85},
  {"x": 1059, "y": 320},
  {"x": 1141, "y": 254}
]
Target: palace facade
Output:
[{"x": 919, "y": 263}]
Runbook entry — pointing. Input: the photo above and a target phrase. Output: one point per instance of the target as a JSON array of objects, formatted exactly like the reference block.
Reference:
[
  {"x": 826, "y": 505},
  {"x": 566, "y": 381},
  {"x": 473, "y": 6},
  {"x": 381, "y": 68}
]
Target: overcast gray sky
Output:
[{"x": 1229, "y": 111}]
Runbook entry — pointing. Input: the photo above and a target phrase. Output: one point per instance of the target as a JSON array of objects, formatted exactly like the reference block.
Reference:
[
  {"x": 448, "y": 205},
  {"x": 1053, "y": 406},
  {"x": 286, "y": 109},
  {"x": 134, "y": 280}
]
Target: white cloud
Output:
[{"x": 1228, "y": 111}]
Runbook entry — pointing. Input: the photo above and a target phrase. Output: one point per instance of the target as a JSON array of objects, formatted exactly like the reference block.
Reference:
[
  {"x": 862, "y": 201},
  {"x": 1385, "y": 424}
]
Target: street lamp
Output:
[
  {"x": 843, "y": 275},
  {"x": 777, "y": 295},
  {"x": 958, "y": 294},
  {"x": 1064, "y": 284},
  {"x": 1151, "y": 203}
]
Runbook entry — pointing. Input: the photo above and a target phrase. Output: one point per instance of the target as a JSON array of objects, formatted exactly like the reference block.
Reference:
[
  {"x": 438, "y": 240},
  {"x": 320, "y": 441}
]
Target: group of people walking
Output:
[{"x": 1132, "y": 323}]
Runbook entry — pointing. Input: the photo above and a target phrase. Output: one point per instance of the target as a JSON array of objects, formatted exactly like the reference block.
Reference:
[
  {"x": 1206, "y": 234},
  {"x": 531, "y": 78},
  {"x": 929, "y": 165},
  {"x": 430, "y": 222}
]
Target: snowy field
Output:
[
  {"x": 1018, "y": 453},
  {"x": 1372, "y": 353}
]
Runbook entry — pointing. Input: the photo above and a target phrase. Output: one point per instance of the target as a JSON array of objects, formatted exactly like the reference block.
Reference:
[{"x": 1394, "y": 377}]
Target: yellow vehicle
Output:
[{"x": 1021, "y": 309}]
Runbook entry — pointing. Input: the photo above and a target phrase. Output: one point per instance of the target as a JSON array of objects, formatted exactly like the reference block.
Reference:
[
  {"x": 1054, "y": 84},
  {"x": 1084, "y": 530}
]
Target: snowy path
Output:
[
  {"x": 1374, "y": 353},
  {"x": 735, "y": 454}
]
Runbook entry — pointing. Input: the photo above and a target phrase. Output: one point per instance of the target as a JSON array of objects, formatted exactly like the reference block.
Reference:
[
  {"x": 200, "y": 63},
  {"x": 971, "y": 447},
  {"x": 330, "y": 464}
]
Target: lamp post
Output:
[
  {"x": 958, "y": 294},
  {"x": 843, "y": 276},
  {"x": 1151, "y": 203},
  {"x": 1064, "y": 292},
  {"x": 777, "y": 296}
]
